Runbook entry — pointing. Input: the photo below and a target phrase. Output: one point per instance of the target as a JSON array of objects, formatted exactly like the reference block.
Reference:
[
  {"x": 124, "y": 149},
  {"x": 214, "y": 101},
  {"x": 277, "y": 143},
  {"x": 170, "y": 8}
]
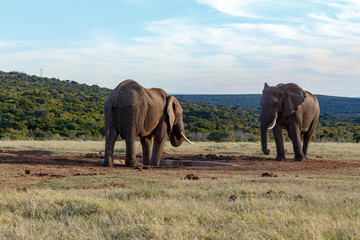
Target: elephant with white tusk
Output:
[
  {"x": 134, "y": 111},
  {"x": 289, "y": 106}
]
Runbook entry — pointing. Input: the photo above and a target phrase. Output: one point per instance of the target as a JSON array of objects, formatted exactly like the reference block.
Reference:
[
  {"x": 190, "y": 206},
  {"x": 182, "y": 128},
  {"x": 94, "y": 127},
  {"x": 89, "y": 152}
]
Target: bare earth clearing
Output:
[{"x": 19, "y": 168}]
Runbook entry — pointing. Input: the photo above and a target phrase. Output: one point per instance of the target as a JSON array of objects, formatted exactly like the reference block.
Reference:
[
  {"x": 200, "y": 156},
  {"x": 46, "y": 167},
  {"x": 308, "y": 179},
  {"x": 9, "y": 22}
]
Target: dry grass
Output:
[
  {"x": 165, "y": 206},
  {"x": 160, "y": 204},
  {"x": 346, "y": 151}
]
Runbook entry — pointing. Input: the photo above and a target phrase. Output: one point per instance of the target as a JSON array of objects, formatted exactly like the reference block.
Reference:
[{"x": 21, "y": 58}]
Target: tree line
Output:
[{"x": 33, "y": 107}]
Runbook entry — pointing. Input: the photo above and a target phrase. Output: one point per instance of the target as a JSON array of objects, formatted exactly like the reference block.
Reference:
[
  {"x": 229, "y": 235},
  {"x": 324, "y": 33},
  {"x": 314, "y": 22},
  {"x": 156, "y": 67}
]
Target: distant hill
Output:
[
  {"x": 33, "y": 107},
  {"x": 328, "y": 104},
  {"x": 234, "y": 100},
  {"x": 339, "y": 105}
]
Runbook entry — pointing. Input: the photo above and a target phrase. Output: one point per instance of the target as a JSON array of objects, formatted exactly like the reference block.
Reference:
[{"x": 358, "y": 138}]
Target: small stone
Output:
[
  {"x": 20, "y": 189},
  {"x": 270, "y": 192},
  {"x": 268, "y": 174},
  {"x": 233, "y": 197},
  {"x": 192, "y": 177}
]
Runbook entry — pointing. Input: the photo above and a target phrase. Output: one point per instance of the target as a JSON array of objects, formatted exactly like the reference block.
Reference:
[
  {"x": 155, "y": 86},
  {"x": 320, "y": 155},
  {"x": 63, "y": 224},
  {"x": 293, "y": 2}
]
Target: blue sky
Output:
[{"x": 187, "y": 46}]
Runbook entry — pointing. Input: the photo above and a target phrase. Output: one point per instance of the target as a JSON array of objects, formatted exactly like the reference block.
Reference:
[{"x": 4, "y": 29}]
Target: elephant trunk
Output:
[
  {"x": 177, "y": 135},
  {"x": 176, "y": 139},
  {"x": 266, "y": 123}
]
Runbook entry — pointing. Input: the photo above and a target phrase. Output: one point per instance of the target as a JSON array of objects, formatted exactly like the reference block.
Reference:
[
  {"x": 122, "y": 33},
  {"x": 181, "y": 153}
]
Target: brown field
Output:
[{"x": 20, "y": 167}]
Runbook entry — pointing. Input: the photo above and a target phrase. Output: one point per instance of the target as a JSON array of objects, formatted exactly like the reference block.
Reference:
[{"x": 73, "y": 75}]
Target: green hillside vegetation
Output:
[
  {"x": 234, "y": 100},
  {"x": 46, "y": 108},
  {"x": 205, "y": 121},
  {"x": 38, "y": 108}
]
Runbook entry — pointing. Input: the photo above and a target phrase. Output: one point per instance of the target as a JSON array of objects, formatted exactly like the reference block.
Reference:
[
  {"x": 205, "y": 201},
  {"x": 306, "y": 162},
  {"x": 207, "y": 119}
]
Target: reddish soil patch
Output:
[{"x": 36, "y": 166}]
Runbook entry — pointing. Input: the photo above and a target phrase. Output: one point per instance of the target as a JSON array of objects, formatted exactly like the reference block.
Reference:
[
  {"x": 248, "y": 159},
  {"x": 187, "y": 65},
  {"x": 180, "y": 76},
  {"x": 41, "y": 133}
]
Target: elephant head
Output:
[
  {"x": 176, "y": 130},
  {"x": 280, "y": 101}
]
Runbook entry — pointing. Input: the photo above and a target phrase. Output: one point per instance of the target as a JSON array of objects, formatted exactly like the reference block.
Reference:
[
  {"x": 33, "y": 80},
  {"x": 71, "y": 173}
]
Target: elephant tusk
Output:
[
  {"x": 257, "y": 121},
  {"x": 185, "y": 138},
  {"x": 272, "y": 124}
]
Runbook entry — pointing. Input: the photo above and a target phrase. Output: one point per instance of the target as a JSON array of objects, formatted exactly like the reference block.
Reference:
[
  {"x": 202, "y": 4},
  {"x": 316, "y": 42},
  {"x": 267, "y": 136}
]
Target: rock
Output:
[
  {"x": 20, "y": 189},
  {"x": 270, "y": 192},
  {"x": 233, "y": 197},
  {"x": 192, "y": 177},
  {"x": 268, "y": 174}
]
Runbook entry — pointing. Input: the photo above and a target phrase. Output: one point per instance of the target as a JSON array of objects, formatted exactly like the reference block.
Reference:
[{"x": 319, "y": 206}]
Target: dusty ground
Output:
[{"x": 36, "y": 166}]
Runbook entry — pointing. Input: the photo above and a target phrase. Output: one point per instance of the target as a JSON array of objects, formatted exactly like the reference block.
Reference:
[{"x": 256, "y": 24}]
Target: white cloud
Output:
[
  {"x": 5, "y": 45},
  {"x": 182, "y": 56},
  {"x": 235, "y": 7}
]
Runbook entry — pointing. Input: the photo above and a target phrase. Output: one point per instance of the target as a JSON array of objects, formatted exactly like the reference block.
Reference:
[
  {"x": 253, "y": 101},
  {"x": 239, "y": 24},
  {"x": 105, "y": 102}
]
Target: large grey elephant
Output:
[
  {"x": 289, "y": 106},
  {"x": 133, "y": 111}
]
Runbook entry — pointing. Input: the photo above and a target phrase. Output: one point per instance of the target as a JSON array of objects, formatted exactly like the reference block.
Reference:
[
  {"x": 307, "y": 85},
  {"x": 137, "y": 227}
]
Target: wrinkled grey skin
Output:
[
  {"x": 133, "y": 111},
  {"x": 293, "y": 108}
]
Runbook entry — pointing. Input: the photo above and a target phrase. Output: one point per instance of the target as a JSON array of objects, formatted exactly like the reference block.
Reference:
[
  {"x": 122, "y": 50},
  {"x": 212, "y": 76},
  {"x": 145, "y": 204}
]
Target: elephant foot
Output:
[
  {"x": 108, "y": 163},
  {"x": 131, "y": 163},
  {"x": 155, "y": 163},
  {"x": 298, "y": 159},
  {"x": 280, "y": 158}
]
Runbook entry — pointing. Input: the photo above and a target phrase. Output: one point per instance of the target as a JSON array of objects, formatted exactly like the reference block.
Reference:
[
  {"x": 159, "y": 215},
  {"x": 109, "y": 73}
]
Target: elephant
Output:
[
  {"x": 289, "y": 106},
  {"x": 134, "y": 111}
]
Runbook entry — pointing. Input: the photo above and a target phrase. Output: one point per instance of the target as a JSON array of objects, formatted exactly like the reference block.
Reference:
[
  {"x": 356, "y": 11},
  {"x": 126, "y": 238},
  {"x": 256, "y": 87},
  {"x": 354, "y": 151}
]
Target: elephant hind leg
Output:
[
  {"x": 146, "y": 143},
  {"x": 110, "y": 139},
  {"x": 305, "y": 144},
  {"x": 158, "y": 147},
  {"x": 130, "y": 159},
  {"x": 296, "y": 140},
  {"x": 307, "y": 136}
]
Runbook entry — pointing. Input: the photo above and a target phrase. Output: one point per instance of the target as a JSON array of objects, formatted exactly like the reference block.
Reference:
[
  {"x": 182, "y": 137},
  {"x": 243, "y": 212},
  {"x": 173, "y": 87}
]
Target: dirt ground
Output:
[{"x": 36, "y": 166}]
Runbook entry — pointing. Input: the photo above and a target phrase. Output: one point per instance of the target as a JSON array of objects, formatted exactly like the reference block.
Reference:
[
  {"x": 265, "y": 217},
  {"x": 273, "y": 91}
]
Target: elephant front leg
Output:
[
  {"x": 146, "y": 143},
  {"x": 279, "y": 141}
]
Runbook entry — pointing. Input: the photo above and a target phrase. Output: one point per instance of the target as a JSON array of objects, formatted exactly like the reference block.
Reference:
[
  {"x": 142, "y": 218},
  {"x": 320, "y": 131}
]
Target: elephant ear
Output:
[
  {"x": 294, "y": 95},
  {"x": 171, "y": 108}
]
